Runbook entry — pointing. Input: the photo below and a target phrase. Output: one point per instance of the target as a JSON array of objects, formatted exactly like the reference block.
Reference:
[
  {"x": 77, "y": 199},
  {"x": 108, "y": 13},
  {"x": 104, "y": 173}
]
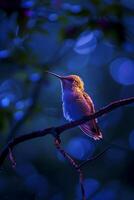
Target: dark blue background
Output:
[{"x": 93, "y": 39}]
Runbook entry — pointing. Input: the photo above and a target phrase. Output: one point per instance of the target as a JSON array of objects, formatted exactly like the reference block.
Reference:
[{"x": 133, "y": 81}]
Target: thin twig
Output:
[
  {"x": 60, "y": 129},
  {"x": 74, "y": 164},
  {"x": 11, "y": 144},
  {"x": 94, "y": 157},
  {"x": 11, "y": 157},
  {"x": 109, "y": 146}
]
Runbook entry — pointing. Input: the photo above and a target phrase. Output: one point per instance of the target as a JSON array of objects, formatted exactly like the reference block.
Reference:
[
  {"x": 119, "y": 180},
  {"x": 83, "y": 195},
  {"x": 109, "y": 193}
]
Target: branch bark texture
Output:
[{"x": 57, "y": 131}]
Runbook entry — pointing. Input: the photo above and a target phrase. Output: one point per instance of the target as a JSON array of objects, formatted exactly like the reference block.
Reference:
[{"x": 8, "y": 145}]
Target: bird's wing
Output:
[
  {"x": 89, "y": 102},
  {"x": 91, "y": 128}
]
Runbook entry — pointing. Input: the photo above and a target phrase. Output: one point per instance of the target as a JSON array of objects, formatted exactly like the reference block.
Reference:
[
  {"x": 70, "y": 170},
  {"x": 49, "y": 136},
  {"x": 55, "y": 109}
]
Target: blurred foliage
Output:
[{"x": 94, "y": 39}]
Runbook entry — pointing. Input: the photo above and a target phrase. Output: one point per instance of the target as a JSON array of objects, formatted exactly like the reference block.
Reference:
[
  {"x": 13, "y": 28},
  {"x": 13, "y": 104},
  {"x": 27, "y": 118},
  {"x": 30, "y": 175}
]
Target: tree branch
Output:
[
  {"x": 94, "y": 157},
  {"x": 58, "y": 130},
  {"x": 74, "y": 164},
  {"x": 110, "y": 107},
  {"x": 90, "y": 159}
]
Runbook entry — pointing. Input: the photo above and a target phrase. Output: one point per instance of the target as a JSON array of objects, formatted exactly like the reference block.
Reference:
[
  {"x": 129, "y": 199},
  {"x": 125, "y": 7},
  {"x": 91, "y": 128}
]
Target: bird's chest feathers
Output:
[
  {"x": 70, "y": 98},
  {"x": 72, "y": 105}
]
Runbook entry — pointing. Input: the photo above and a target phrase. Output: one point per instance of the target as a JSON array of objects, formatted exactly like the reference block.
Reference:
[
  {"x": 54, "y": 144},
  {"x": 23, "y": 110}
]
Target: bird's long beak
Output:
[{"x": 60, "y": 77}]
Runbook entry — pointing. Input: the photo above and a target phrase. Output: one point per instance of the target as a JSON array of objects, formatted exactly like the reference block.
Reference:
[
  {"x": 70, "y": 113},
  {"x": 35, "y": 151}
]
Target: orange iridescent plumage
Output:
[{"x": 77, "y": 104}]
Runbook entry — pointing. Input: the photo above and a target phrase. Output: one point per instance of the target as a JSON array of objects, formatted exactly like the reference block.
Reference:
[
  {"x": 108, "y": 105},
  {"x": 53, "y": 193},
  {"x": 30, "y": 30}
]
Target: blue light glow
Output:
[
  {"x": 80, "y": 148},
  {"x": 18, "y": 41},
  {"x": 34, "y": 77},
  {"x": 53, "y": 17},
  {"x": 4, "y": 53},
  {"x": 129, "y": 47},
  {"x": 20, "y": 105},
  {"x": 66, "y": 6},
  {"x": 18, "y": 115},
  {"x": 90, "y": 185},
  {"x": 75, "y": 8},
  {"x": 5, "y": 102},
  {"x": 122, "y": 71},
  {"x": 27, "y": 4},
  {"x": 10, "y": 89},
  {"x": 23, "y": 104},
  {"x": 86, "y": 43},
  {"x": 131, "y": 140}
]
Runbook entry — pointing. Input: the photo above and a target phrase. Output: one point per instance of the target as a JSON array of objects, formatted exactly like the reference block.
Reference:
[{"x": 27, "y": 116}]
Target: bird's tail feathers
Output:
[{"x": 91, "y": 131}]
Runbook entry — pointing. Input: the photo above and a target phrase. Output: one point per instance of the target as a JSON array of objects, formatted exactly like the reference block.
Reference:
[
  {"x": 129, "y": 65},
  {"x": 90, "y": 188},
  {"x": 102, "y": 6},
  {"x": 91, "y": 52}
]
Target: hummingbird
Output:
[{"x": 76, "y": 103}]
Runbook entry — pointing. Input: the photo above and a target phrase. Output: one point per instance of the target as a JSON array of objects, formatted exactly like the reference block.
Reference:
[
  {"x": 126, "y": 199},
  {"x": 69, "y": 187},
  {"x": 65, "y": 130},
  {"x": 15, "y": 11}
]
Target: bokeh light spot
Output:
[
  {"x": 19, "y": 105},
  {"x": 18, "y": 115},
  {"x": 75, "y": 8},
  {"x": 4, "y": 54},
  {"x": 5, "y": 102},
  {"x": 23, "y": 103},
  {"x": 128, "y": 46},
  {"x": 27, "y": 4},
  {"x": 11, "y": 90},
  {"x": 80, "y": 148},
  {"x": 53, "y": 17},
  {"x": 86, "y": 43},
  {"x": 122, "y": 71},
  {"x": 66, "y": 6},
  {"x": 35, "y": 77}
]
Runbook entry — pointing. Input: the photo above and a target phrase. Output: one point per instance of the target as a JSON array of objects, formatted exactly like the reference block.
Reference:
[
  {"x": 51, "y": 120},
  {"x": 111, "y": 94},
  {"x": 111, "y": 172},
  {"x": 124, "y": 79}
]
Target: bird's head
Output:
[{"x": 70, "y": 82}]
